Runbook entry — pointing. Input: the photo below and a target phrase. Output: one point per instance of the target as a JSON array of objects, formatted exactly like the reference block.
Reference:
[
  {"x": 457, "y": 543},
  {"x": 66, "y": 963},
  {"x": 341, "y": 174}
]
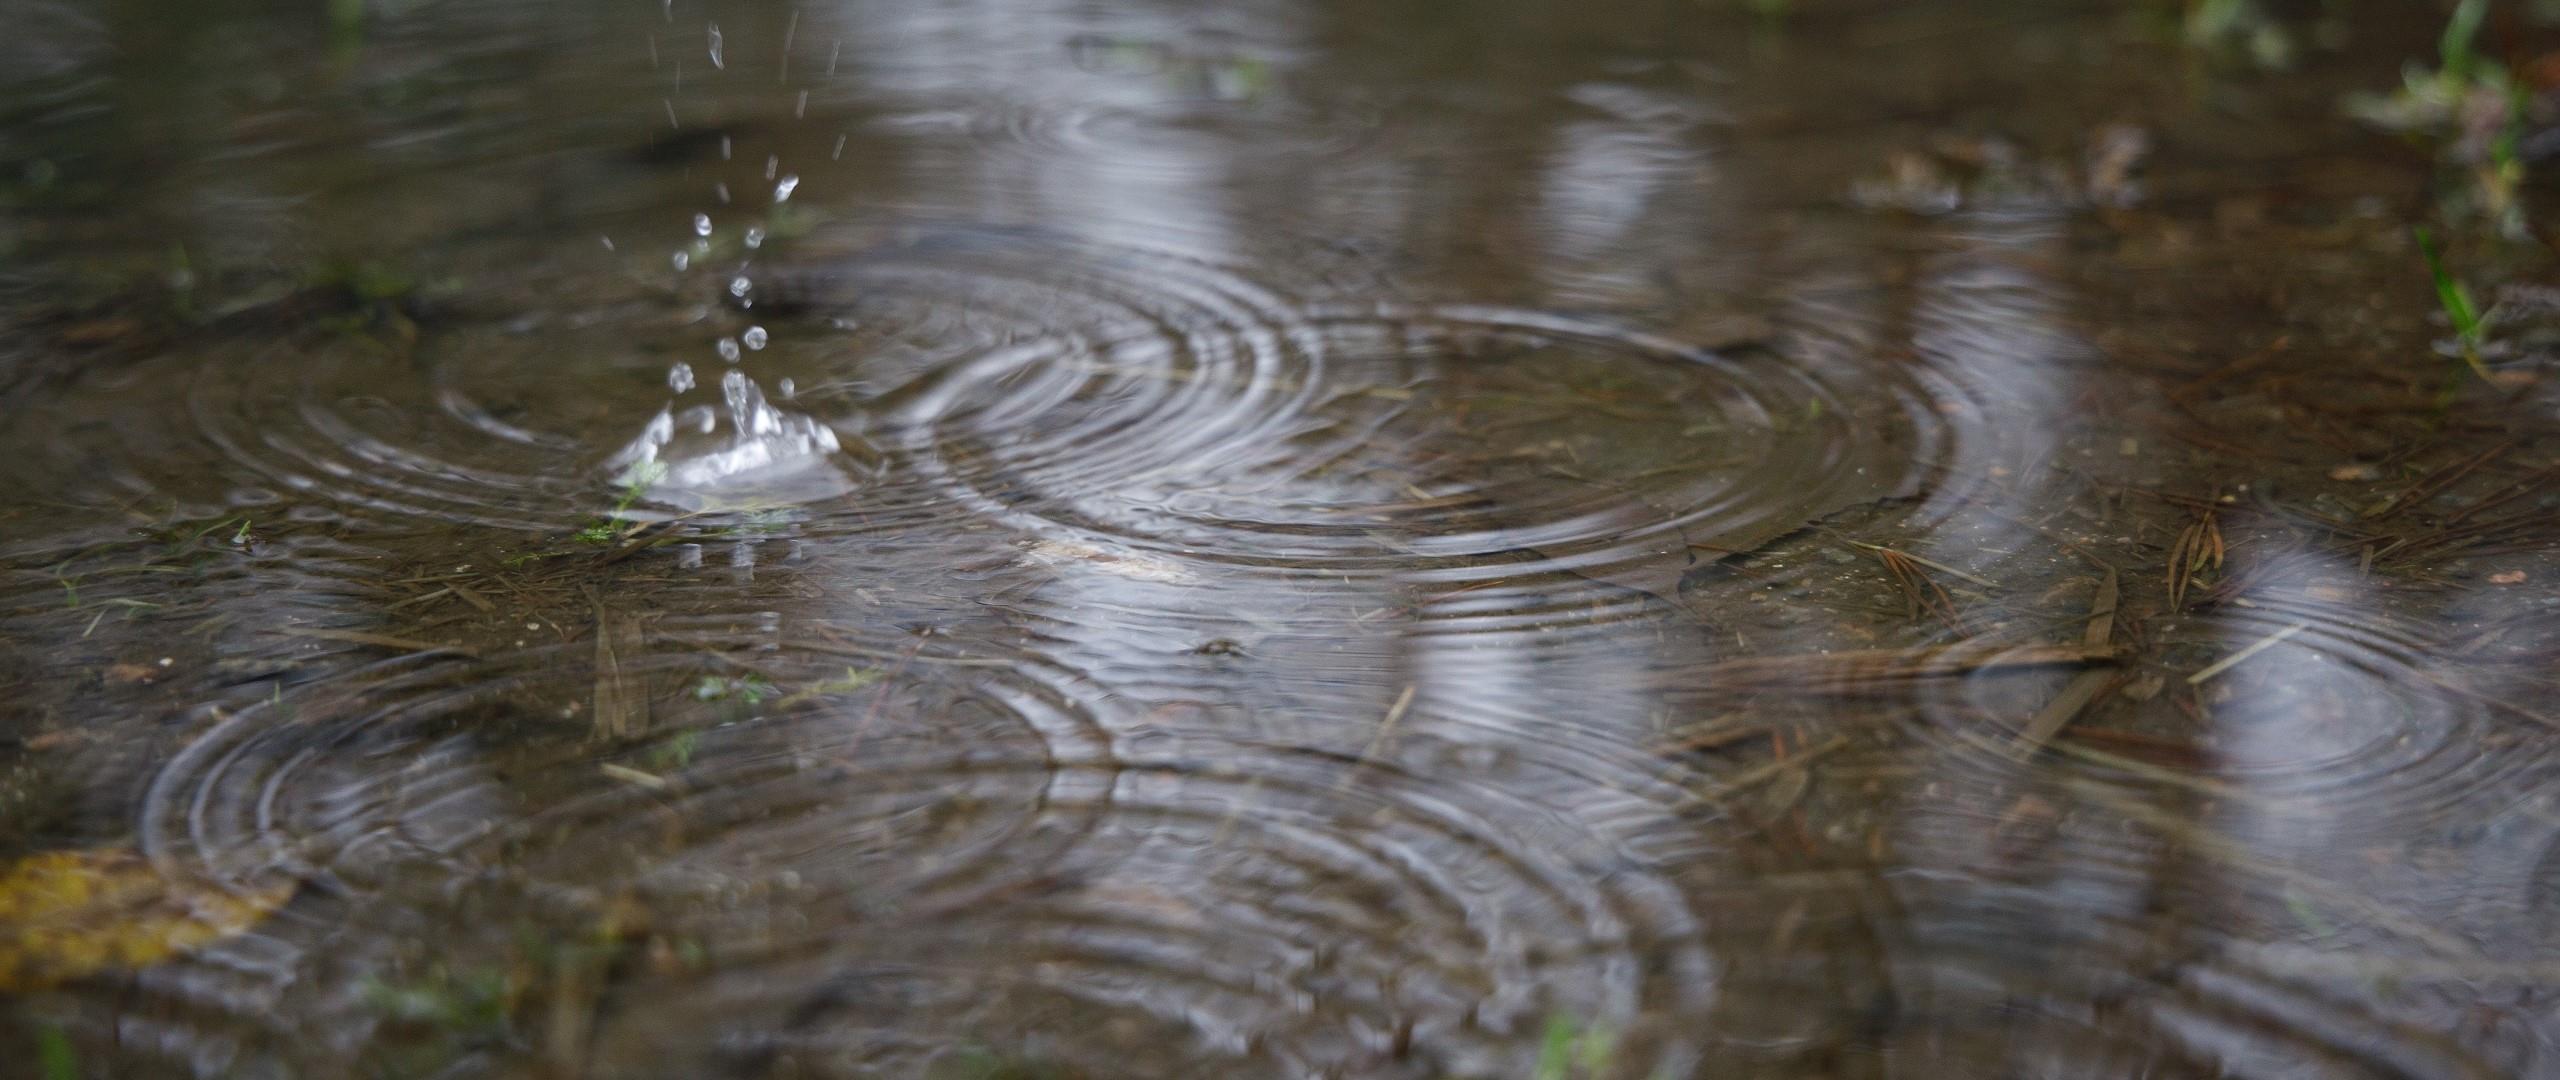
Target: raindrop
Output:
[
  {"x": 724, "y": 148},
  {"x": 681, "y": 260},
  {"x": 755, "y": 337},
  {"x": 771, "y": 162},
  {"x": 789, "y": 389},
  {"x": 716, "y": 61},
  {"x": 608, "y": 242},
  {"x": 755, "y": 238},
  {"x": 739, "y": 286},
  {"x": 721, "y": 189},
  {"x": 701, "y": 224},
  {"x": 782, "y": 190},
  {"x": 729, "y": 349},
  {"x": 680, "y": 377}
]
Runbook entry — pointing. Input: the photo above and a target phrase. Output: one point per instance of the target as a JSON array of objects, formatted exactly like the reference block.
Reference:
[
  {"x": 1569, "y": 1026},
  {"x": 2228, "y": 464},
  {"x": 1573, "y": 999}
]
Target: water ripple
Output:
[{"x": 1143, "y": 400}]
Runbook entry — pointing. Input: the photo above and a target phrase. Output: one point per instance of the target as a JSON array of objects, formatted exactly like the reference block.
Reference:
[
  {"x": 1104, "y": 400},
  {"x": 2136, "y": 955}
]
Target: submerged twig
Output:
[
  {"x": 2084, "y": 687},
  {"x": 2437, "y": 481},
  {"x": 381, "y": 641},
  {"x": 621, "y": 706},
  {"x": 2252, "y": 649},
  {"x": 1885, "y": 666},
  {"x": 1386, "y": 730}
]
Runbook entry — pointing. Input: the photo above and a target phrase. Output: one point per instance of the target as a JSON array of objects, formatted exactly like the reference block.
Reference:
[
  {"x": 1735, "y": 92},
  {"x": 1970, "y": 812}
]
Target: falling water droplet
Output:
[
  {"x": 681, "y": 260},
  {"x": 680, "y": 377},
  {"x": 755, "y": 238},
  {"x": 771, "y": 162},
  {"x": 724, "y": 148},
  {"x": 729, "y": 349},
  {"x": 739, "y": 286},
  {"x": 789, "y": 389},
  {"x": 755, "y": 337},
  {"x": 716, "y": 61},
  {"x": 701, "y": 224},
  {"x": 782, "y": 191},
  {"x": 721, "y": 189}
]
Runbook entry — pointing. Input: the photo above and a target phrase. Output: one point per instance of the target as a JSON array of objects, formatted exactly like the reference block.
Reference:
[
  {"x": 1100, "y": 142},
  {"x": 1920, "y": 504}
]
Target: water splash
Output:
[{"x": 747, "y": 453}]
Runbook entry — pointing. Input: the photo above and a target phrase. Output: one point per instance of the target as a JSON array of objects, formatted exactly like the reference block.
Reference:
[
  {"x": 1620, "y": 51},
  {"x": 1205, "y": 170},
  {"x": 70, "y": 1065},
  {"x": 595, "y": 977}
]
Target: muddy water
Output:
[{"x": 1305, "y": 540}]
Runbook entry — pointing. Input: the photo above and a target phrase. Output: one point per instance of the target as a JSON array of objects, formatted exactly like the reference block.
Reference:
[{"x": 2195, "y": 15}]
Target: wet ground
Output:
[{"x": 1306, "y": 539}]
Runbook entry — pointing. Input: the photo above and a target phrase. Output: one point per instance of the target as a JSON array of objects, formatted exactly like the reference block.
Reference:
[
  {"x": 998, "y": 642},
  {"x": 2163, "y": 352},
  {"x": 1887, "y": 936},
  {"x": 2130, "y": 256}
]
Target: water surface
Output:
[{"x": 1303, "y": 539}]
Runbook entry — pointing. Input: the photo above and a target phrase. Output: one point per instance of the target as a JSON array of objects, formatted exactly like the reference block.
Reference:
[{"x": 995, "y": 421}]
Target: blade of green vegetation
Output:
[
  {"x": 2456, "y": 301},
  {"x": 2455, "y": 48},
  {"x": 1555, "y": 1055},
  {"x": 53, "y": 1050}
]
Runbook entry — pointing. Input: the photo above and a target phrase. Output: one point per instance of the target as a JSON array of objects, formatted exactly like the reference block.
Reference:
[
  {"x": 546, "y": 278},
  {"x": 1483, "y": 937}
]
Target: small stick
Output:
[
  {"x": 621, "y": 708},
  {"x": 2102, "y": 613},
  {"x": 384, "y": 641},
  {"x": 2062, "y": 710},
  {"x": 1883, "y": 665},
  {"x": 472, "y": 597},
  {"x": 1767, "y": 771},
  {"x": 2438, "y": 481},
  {"x": 1386, "y": 729},
  {"x": 418, "y": 599},
  {"x": 634, "y": 777},
  {"x": 2254, "y": 648},
  {"x": 2084, "y": 687}
]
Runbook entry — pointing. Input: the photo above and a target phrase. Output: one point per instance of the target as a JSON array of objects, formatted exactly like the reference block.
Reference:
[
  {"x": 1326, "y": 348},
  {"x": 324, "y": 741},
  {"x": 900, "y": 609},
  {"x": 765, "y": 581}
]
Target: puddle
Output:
[{"x": 1301, "y": 540}]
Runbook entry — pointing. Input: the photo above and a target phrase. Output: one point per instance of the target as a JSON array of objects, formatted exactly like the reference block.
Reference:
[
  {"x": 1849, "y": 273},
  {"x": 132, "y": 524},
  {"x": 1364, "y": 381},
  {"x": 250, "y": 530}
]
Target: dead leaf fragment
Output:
[
  {"x": 131, "y": 673},
  {"x": 69, "y": 914}
]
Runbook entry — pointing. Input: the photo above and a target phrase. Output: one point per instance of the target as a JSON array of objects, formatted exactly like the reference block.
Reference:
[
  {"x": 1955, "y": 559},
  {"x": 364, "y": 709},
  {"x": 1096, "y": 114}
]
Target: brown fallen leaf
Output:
[
  {"x": 69, "y": 914},
  {"x": 55, "y": 740},
  {"x": 95, "y": 332},
  {"x": 131, "y": 673}
]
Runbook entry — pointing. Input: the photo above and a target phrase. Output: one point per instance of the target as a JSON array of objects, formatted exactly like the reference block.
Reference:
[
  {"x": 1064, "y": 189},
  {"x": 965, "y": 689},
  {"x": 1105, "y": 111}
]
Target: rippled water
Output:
[{"x": 1302, "y": 539}]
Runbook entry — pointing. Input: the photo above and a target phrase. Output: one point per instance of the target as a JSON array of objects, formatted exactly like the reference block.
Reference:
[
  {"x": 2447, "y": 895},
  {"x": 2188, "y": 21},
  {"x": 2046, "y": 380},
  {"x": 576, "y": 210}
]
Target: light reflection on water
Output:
[{"x": 1354, "y": 539}]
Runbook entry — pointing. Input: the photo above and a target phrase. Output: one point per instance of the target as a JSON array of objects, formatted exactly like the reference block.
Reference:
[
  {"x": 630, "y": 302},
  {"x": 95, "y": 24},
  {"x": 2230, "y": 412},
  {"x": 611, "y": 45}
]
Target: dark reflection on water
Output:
[{"x": 1300, "y": 540}]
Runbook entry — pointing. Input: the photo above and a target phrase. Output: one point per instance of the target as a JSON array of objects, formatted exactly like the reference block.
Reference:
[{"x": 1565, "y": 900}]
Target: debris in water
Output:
[{"x": 69, "y": 914}]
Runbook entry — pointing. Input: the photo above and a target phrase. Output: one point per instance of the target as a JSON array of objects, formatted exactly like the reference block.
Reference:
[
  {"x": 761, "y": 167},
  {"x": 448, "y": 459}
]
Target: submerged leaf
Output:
[{"x": 69, "y": 914}]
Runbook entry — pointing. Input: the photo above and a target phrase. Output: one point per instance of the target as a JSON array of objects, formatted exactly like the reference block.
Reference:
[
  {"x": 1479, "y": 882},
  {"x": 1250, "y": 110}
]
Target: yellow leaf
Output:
[{"x": 67, "y": 914}]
